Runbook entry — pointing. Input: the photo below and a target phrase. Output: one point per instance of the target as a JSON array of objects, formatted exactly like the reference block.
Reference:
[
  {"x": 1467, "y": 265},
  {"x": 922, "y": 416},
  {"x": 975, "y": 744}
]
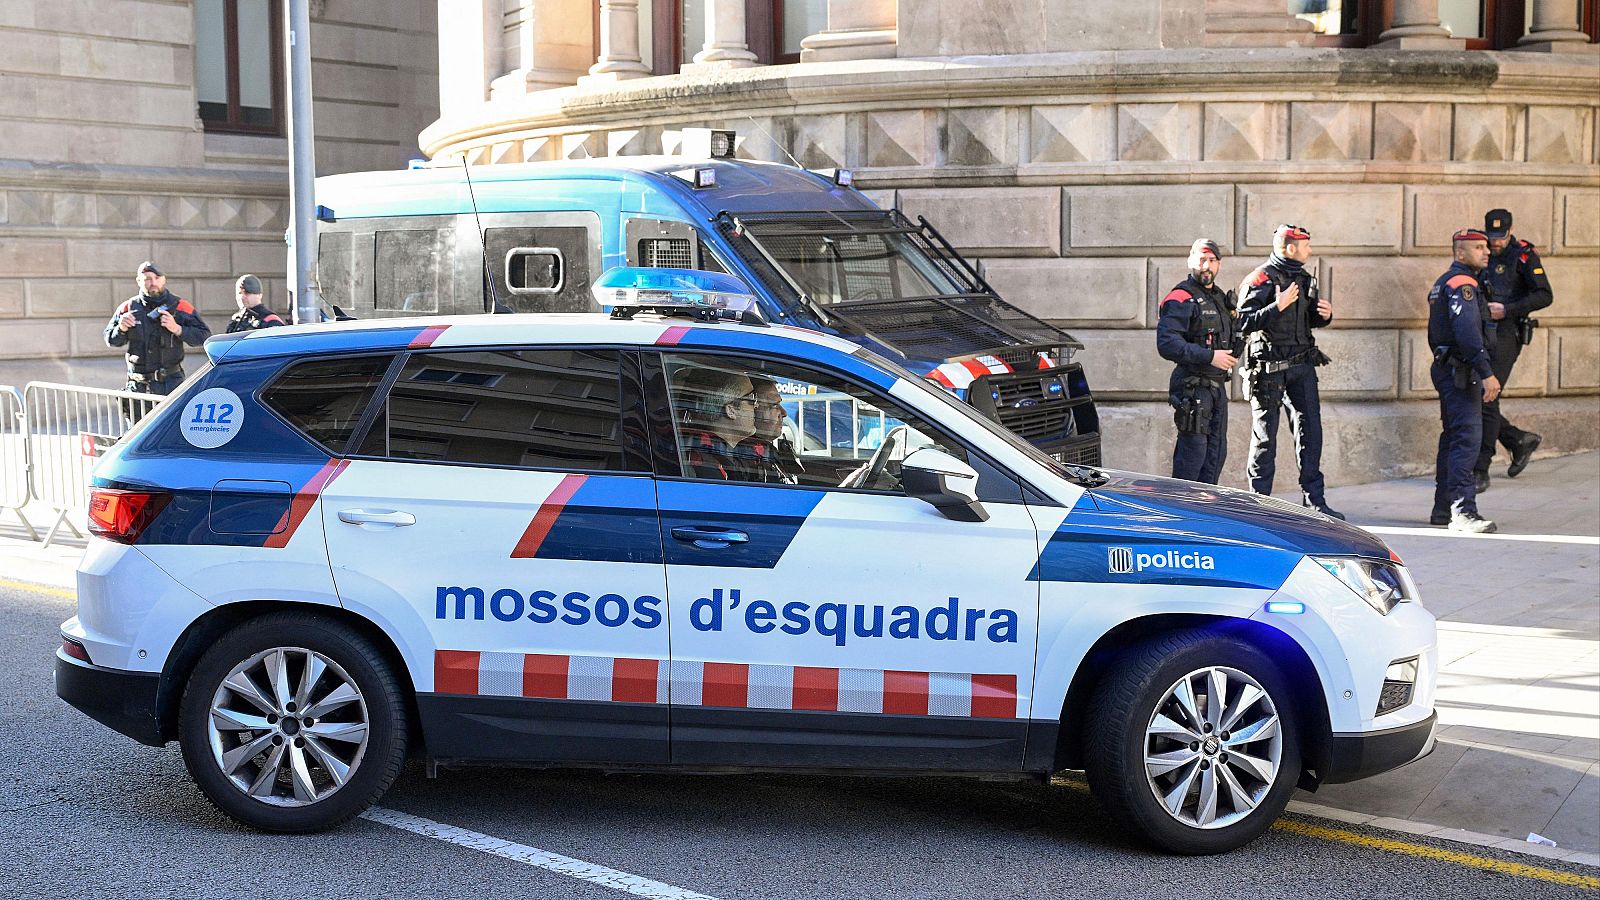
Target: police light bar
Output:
[{"x": 708, "y": 296}]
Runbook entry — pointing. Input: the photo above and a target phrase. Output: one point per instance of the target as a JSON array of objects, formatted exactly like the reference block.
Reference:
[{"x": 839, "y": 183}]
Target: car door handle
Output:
[
  {"x": 709, "y": 537},
  {"x": 381, "y": 517}
]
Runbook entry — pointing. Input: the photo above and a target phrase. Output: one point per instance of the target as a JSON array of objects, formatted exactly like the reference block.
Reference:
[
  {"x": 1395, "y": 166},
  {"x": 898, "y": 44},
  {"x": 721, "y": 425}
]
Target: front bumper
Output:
[
  {"x": 1355, "y": 756},
  {"x": 122, "y": 700}
]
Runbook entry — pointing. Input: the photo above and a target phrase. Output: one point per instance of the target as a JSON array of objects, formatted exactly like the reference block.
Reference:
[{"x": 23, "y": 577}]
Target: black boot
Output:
[
  {"x": 1524, "y": 453},
  {"x": 1483, "y": 480},
  {"x": 1321, "y": 505},
  {"x": 1438, "y": 517}
]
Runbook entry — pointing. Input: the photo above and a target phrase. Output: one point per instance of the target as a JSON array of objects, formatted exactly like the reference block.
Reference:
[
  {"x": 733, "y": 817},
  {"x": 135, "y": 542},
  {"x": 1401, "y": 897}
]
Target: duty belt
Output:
[
  {"x": 1274, "y": 366},
  {"x": 157, "y": 375}
]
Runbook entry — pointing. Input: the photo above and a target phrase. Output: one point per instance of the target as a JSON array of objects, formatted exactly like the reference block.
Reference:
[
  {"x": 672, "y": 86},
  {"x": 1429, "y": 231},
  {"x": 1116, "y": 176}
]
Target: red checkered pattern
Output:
[{"x": 733, "y": 685}]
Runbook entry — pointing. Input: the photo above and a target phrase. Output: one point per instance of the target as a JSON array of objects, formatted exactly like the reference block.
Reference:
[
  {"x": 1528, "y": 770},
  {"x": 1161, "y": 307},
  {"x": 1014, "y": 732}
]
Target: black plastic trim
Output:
[
  {"x": 1355, "y": 756},
  {"x": 759, "y": 738},
  {"x": 121, "y": 700},
  {"x": 522, "y": 730}
]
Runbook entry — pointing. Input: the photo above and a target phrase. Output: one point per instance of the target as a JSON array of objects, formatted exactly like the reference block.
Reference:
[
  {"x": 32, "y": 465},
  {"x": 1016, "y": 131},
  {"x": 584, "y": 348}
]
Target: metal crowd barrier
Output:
[
  {"x": 66, "y": 428},
  {"x": 14, "y": 457}
]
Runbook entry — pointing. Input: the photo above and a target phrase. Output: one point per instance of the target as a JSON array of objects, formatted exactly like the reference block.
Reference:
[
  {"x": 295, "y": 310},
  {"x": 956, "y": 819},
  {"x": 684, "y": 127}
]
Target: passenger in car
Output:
[
  {"x": 717, "y": 411},
  {"x": 766, "y": 456}
]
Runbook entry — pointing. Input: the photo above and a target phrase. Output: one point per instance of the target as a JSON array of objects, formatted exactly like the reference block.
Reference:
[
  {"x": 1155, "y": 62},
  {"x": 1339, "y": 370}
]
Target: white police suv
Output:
[{"x": 663, "y": 541}]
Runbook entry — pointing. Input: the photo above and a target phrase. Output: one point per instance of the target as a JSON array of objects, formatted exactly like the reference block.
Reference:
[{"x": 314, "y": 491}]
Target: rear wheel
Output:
[
  {"x": 292, "y": 723},
  {"x": 1194, "y": 744}
]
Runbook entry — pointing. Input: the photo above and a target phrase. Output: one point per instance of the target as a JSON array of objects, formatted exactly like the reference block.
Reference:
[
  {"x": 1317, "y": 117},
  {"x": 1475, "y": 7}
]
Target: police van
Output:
[
  {"x": 570, "y": 540},
  {"x": 814, "y": 251}
]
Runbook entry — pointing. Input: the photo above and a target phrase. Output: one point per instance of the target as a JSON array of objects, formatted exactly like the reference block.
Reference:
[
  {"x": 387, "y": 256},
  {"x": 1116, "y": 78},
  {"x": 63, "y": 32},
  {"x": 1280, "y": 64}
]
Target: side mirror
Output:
[{"x": 944, "y": 482}]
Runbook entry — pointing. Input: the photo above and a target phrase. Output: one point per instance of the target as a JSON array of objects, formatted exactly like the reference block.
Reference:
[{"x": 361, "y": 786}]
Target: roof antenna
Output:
[
  {"x": 782, "y": 148},
  {"x": 488, "y": 275}
]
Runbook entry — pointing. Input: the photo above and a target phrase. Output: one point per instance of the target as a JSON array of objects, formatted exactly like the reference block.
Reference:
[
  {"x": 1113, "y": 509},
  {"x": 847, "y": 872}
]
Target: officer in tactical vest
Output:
[
  {"x": 1279, "y": 305},
  {"x": 1196, "y": 331},
  {"x": 154, "y": 325},
  {"x": 253, "y": 314},
  {"x": 1517, "y": 287},
  {"x": 1460, "y": 332}
]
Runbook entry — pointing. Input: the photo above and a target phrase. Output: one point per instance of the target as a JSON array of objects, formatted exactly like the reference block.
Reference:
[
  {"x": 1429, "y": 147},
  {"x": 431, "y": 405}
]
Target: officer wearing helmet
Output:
[
  {"x": 1196, "y": 331},
  {"x": 1517, "y": 287},
  {"x": 1460, "y": 334}
]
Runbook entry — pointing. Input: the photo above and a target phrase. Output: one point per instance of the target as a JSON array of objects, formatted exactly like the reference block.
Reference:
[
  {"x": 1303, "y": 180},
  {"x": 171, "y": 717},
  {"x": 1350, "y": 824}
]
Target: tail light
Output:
[
  {"x": 75, "y": 650},
  {"x": 122, "y": 515}
]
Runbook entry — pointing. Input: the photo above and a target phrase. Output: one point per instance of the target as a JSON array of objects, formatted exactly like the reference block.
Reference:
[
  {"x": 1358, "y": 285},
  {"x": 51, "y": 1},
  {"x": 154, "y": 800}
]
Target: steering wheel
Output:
[{"x": 868, "y": 475}]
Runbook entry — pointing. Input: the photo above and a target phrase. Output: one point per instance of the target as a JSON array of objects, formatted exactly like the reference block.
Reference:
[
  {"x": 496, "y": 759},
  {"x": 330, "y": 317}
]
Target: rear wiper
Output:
[{"x": 1085, "y": 476}]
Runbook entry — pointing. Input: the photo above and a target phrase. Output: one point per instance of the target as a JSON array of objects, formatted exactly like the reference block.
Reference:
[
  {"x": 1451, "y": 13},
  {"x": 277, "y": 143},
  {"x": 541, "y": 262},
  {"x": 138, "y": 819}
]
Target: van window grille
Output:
[{"x": 666, "y": 253}]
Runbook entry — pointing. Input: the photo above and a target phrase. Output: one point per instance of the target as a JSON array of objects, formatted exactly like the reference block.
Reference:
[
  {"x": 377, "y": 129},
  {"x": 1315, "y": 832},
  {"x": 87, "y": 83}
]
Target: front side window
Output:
[
  {"x": 763, "y": 421},
  {"x": 558, "y": 409},
  {"x": 236, "y": 64},
  {"x": 325, "y": 398}
]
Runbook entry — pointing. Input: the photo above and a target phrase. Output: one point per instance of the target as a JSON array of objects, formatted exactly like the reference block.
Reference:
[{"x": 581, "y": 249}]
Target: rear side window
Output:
[
  {"x": 558, "y": 409},
  {"x": 325, "y": 398}
]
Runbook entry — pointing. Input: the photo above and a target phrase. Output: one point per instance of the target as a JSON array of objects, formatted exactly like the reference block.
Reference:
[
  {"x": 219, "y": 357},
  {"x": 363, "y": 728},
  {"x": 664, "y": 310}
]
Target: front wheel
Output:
[
  {"x": 1194, "y": 744},
  {"x": 292, "y": 723}
]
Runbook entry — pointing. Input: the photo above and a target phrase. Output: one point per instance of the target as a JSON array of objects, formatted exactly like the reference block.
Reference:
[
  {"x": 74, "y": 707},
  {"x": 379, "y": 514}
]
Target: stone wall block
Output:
[
  {"x": 30, "y": 208},
  {"x": 34, "y": 338},
  {"x": 540, "y": 149},
  {"x": 1559, "y": 134},
  {"x": 992, "y": 221},
  {"x": 1345, "y": 217},
  {"x": 154, "y": 212},
  {"x": 1158, "y": 131},
  {"x": 1330, "y": 131},
  {"x": 1485, "y": 132},
  {"x": 1415, "y": 360},
  {"x": 511, "y": 151},
  {"x": 1077, "y": 133},
  {"x": 73, "y": 209},
  {"x": 1124, "y": 365},
  {"x": 1141, "y": 219},
  {"x": 1576, "y": 353},
  {"x": 117, "y": 210},
  {"x": 1371, "y": 291},
  {"x": 821, "y": 142},
  {"x": 630, "y": 142},
  {"x": 1531, "y": 376},
  {"x": 115, "y": 258},
  {"x": 11, "y": 293},
  {"x": 71, "y": 297},
  {"x": 1575, "y": 284},
  {"x": 260, "y": 258},
  {"x": 88, "y": 338},
  {"x": 1411, "y": 132},
  {"x": 33, "y": 256},
  {"x": 1366, "y": 364},
  {"x": 582, "y": 145},
  {"x": 1580, "y": 218},
  {"x": 1094, "y": 293},
  {"x": 980, "y": 136},
  {"x": 5, "y": 207},
  {"x": 1246, "y": 131},
  {"x": 897, "y": 138},
  {"x": 192, "y": 258},
  {"x": 1437, "y": 211},
  {"x": 186, "y": 212},
  {"x": 883, "y": 199},
  {"x": 266, "y": 215},
  {"x": 215, "y": 299},
  {"x": 225, "y": 212}
]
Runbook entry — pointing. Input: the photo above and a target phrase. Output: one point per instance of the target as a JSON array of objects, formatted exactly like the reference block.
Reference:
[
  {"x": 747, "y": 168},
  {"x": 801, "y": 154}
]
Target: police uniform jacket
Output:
[
  {"x": 1515, "y": 277},
  {"x": 1195, "y": 322},
  {"x": 253, "y": 319},
  {"x": 150, "y": 347},
  {"x": 1458, "y": 318},
  {"x": 1284, "y": 333}
]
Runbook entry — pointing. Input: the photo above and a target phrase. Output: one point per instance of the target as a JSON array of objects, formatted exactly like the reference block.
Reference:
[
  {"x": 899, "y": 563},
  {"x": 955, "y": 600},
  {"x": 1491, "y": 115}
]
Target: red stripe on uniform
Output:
[
  {"x": 1459, "y": 280},
  {"x": 304, "y": 500},
  {"x": 725, "y": 684},
  {"x": 634, "y": 680},
  {"x": 994, "y": 697},
  {"x": 816, "y": 688},
  {"x": 545, "y": 676},
  {"x": 672, "y": 336},
  {"x": 905, "y": 693},
  {"x": 427, "y": 337},
  {"x": 545, "y": 519},
  {"x": 455, "y": 672}
]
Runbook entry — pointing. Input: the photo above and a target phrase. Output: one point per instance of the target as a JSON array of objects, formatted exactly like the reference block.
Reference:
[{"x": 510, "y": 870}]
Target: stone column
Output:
[
  {"x": 1254, "y": 23},
  {"x": 619, "y": 44},
  {"x": 1555, "y": 29},
  {"x": 725, "y": 46},
  {"x": 469, "y": 36},
  {"x": 547, "y": 42},
  {"x": 1416, "y": 27},
  {"x": 857, "y": 29}
]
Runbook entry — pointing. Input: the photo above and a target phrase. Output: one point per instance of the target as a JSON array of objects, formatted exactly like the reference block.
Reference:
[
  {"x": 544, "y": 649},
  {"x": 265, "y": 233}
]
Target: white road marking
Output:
[
  {"x": 532, "y": 856},
  {"x": 1581, "y": 539}
]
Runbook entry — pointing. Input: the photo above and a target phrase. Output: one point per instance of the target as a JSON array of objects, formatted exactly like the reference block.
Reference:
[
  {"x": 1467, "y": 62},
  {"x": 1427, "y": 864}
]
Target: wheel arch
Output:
[{"x": 1310, "y": 703}]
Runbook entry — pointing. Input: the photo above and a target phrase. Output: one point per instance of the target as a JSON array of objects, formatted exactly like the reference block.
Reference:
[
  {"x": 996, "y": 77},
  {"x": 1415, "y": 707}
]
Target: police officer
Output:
[
  {"x": 767, "y": 456},
  {"x": 1459, "y": 333},
  {"x": 1279, "y": 306},
  {"x": 1196, "y": 332},
  {"x": 1517, "y": 287},
  {"x": 153, "y": 325},
  {"x": 253, "y": 314}
]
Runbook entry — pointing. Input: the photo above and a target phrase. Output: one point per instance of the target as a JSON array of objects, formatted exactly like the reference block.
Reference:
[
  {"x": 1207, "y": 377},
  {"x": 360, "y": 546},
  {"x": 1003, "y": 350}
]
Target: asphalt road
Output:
[{"x": 86, "y": 812}]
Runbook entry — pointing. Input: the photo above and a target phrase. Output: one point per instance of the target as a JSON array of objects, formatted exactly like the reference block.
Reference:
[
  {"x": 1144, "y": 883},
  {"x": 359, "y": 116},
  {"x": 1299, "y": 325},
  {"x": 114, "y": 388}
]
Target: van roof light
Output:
[
  {"x": 709, "y": 143},
  {"x": 708, "y": 296}
]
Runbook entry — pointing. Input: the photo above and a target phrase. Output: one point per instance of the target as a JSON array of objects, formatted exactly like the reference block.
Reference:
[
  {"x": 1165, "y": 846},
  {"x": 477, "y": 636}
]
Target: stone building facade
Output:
[
  {"x": 1077, "y": 148},
  {"x": 105, "y": 161}
]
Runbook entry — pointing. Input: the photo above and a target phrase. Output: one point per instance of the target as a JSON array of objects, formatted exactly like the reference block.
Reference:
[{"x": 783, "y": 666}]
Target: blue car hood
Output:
[{"x": 1205, "y": 513}]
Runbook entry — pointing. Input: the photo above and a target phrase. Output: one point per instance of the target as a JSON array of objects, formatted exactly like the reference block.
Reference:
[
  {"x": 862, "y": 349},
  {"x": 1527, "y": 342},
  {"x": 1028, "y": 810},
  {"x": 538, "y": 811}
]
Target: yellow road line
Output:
[
  {"x": 1522, "y": 870},
  {"x": 34, "y": 587}
]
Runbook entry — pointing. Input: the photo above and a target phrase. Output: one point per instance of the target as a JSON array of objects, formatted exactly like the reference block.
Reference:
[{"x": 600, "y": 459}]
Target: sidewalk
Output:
[{"x": 1519, "y": 638}]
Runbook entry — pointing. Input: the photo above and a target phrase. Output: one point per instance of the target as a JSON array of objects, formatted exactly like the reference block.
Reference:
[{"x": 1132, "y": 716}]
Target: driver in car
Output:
[
  {"x": 718, "y": 413},
  {"x": 765, "y": 454}
]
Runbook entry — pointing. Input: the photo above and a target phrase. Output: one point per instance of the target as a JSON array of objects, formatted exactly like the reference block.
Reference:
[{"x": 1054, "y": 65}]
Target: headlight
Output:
[{"x": 1381, "y": 584}]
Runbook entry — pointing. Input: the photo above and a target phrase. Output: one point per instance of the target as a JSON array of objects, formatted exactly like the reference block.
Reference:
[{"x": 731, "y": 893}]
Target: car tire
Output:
[
  {"x": 277, "y": 753},
  {"x": 1155, "y": 729}
]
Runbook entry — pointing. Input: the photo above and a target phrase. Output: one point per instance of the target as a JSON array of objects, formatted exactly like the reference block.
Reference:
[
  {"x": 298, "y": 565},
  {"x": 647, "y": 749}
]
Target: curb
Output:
[{"x": 1442, "y": 833}]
